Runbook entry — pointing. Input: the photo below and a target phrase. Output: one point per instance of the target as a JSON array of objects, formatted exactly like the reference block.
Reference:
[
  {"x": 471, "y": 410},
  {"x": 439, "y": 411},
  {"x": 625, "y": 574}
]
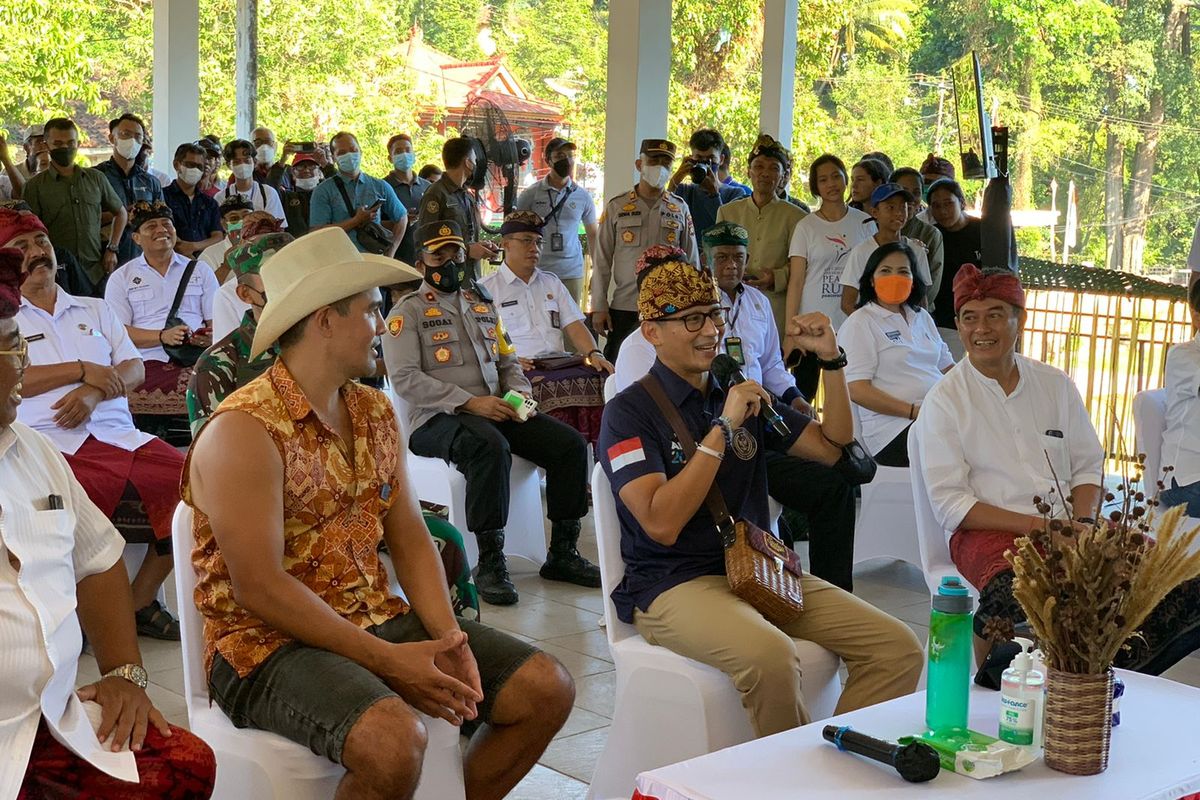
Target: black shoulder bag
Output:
[
  {"x": 373, "y": 237},
  {"x": 183, "y": 355}
]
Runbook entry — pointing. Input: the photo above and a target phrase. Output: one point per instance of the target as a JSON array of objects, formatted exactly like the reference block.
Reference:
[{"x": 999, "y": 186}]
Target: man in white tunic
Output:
[{"x": 60, "y": 570}]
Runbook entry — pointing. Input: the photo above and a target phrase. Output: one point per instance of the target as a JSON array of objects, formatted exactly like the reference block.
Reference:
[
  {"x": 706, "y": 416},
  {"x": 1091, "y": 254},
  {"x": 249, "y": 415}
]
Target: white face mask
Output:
[
  {"x": 265, "y": 154},
  {"x": 128, "y": 148},
  {"x": 190, "y": 175},
  {"x": 656, "y": 176},
  {"x": 307, "y": 184},
  {"x": 243, "y": 172}
]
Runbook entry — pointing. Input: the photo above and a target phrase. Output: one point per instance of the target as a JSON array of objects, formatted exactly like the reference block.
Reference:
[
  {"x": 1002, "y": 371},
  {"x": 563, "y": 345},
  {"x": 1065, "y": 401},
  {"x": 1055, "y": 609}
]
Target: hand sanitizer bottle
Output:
[{"x": 1022, "y": 692}]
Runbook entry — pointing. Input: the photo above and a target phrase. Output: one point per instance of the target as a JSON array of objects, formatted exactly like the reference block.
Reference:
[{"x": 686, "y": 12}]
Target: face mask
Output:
[
  {"x": 404, "y": 161},
  {"x": 265, "y": 154},
  {"x": 64, "y": 156},
  {"x": 656, "y": 176},
  {"x": 448, "y": 277},
  {"x": 128, "y": 148},
  {"x": 307, "y": 184},
  {"x": 190, "y": 175},
  {"x": 893, "y": 289},
  {"x": 349, "y": 162},
  {"x": 562, "y": 167},
  {"x": 243, "y": 172}
]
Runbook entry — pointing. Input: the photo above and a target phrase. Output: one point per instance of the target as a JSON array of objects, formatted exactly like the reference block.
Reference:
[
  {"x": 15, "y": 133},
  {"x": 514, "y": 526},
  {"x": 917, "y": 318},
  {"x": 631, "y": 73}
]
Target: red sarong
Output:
[
  {"x": 154, "y": 470},
  {"x": 178, "y": 767},
  {"x": 979, "y": 555},
  {"x": 163, "y": 392}
]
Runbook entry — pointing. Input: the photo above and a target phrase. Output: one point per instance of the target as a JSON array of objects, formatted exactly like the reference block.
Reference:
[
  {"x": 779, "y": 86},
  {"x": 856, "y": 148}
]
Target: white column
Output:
[
  {"x": 246, "y": 46},
  {"x": 639, "y": 75},
  {"x": 778, "y": 69},
  {"x": 176, "y": 77}
]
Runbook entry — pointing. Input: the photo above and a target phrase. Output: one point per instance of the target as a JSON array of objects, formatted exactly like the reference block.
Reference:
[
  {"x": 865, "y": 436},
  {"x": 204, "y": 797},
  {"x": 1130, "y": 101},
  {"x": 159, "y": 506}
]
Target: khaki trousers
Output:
[{"x": 703, "y": 620}]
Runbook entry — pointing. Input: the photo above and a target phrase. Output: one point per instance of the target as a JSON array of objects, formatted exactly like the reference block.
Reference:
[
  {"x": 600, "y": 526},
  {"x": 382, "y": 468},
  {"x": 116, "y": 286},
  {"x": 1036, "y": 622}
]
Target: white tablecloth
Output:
[{"x": 1155, "y": 755}]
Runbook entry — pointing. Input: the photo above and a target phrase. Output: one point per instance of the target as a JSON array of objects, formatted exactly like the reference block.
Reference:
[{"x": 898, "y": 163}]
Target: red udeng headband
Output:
[{"x": 972, "y": 284}]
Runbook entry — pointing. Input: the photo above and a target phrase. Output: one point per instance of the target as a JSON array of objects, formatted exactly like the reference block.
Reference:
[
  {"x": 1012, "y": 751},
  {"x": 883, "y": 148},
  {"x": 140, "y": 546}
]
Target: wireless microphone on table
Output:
[{"x": 916, "y": 762}]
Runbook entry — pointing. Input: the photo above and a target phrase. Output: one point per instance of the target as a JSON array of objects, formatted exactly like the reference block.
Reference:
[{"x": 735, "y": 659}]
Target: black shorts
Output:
[{"x": 315, "y": 697}]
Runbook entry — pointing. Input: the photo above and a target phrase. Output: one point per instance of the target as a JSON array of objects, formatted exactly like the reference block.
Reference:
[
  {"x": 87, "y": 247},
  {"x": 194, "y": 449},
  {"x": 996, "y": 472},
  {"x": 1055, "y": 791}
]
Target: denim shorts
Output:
[{"x": 315, "y": 697}]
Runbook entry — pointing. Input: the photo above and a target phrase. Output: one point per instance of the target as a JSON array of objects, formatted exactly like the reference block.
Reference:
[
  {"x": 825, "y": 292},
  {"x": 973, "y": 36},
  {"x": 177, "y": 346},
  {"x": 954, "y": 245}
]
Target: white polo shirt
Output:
[
  {"x": 228, "y": 309},
  {"x": 981, "y": 445},
  {"x": 750, "y": 319},
  {"x": 856, "y": 262},
  {"x": 261, "y": 196},
  {"x": 80, "y": 329},
  {"x": 214, "y": 254},
  {"x": 40, "y": 638},
  {"x": 1181, "y": 440},
  {"x": 534, "y": 313},
  {"x": 141, "y": 297},
  {"x": 899, "y": 353}
]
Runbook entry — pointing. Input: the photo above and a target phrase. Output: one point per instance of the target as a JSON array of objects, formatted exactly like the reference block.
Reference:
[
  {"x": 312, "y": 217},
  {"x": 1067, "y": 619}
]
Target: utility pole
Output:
[{"x": 246, "y": 44}]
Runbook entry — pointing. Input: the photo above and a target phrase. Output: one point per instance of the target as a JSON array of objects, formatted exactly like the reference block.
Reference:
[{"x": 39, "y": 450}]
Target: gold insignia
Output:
[
  {"x": 629, "y": 207},
  {"x": 442, "y": 355},
  {"x": 495, "y": 350},
  {"x": 670, "y": 237},
  {"x": 480, "y": 308},
  {"x": 445, "y": 231},
  {"x": 441, "y": 336},
  {"x": 433, "y": 312},
  {"x": 395, "y": 325},
  {"x": 627, "y": 237},
  {"x": 672, "y": 208},
  {"x": 491, "y": 332},
  {"x": 432, "y": 207}
]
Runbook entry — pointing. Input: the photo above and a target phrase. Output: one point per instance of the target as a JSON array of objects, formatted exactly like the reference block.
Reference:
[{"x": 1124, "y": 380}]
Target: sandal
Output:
[{"x": 156, "y": 622}]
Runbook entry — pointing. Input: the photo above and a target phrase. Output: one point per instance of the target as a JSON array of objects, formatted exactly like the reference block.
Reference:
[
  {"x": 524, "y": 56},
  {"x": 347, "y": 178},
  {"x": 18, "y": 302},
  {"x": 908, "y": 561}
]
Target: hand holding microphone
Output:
[{"x": 729, "y": 375}]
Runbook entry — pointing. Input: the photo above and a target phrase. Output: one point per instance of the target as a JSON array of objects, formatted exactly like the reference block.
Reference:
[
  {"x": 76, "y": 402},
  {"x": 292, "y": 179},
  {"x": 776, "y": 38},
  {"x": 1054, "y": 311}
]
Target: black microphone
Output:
[
  {"x": 916, "y": 762},
  {"x": 727, "y": 373}
]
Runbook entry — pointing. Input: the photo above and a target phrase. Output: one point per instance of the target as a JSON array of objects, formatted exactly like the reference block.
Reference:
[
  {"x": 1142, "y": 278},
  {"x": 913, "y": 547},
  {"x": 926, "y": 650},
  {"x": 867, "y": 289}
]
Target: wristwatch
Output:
[
  {"x": 112, "y": 248},
  {"x": 834, "y": 363},
  {"x": 134, "y": 673}
]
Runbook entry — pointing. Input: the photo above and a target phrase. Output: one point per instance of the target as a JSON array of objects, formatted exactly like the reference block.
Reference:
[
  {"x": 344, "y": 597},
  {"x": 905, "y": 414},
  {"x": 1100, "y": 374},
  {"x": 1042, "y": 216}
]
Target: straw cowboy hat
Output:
[{"x": 316, "y": 270}]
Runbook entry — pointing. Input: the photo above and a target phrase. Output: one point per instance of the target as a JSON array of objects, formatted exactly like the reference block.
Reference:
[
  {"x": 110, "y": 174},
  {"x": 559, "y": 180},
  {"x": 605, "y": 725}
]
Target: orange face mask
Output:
[{"x": 893, "y": 289}]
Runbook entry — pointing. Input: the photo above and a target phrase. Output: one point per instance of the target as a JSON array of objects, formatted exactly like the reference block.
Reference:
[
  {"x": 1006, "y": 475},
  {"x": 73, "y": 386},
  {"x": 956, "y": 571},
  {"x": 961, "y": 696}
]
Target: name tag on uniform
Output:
[
  {"x": 1055, "y": 434},
  {"x": 37, "y": 337},
  {"x": 733, "y": 348},
  {"x": 555, "y": 320},
  {"x": 508, "y": 303}
]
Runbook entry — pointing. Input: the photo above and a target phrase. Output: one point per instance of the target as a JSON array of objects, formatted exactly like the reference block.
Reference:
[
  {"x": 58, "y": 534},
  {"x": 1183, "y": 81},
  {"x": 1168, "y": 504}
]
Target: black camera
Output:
[{"x": 699, "y": 172}]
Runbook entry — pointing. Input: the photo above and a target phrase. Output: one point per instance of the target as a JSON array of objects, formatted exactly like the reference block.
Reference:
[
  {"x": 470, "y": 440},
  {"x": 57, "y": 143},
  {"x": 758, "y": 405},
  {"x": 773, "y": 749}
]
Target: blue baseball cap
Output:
[{"x": 888, "y": 190}]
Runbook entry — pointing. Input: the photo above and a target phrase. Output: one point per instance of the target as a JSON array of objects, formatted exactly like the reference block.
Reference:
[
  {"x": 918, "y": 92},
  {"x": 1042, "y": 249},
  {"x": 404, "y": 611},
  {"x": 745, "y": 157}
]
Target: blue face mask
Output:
[
  {"x": 404, "y": 161},
  {"x": 349, "y": 162}
]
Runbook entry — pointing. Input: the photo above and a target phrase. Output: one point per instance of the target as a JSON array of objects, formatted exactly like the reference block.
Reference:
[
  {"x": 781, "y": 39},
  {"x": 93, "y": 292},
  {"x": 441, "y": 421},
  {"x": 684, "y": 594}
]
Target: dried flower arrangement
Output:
[{"x": 1087, "y": 589}]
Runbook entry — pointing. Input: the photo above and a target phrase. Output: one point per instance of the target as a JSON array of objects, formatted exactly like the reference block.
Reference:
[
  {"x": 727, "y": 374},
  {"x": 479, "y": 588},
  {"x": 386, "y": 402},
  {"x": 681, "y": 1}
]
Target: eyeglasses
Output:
[
  {"x": 21, "y": 352},
  {"x": 695, "y": 321},
  {"x": 528, "y": 241},
  {"x": 724, "y": 258}
]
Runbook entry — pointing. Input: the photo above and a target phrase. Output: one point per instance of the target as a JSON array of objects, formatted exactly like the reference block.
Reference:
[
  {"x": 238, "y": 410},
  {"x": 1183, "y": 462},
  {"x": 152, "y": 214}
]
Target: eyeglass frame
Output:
[{"x": 722, "y": 311}]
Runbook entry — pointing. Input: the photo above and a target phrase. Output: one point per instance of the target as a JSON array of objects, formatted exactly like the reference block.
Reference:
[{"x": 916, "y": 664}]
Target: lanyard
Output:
[
  {"x": 735, "y": 310},
  {"x": 566, "y": 192}
]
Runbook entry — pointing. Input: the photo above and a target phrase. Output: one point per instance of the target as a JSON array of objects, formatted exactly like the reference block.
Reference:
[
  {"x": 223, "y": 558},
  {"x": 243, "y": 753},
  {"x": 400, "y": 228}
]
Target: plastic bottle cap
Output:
[
  {"x": 1023, "y": 661},
  {"x": 951, "y": 585},
  {"x": 952, "y": 597}
]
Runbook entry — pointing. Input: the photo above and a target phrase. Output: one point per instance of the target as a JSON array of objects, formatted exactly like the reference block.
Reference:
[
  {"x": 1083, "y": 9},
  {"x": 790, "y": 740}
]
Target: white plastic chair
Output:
[
  {"x": 610, "y": 387},
  {"x": 670, "y": 708},
  {"x": 133, "y": 556},
  {"x": 257, "y": 765},
  {"x": 933, "y": 540},
  {"x": 1149, "y": 425},
  {"x": 436, "y": 481},
  {"x": 887, "y": 520}
]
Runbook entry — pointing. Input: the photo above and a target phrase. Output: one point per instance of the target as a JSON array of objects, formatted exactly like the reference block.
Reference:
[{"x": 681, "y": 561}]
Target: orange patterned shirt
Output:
[{"x": 333, "y": 516}]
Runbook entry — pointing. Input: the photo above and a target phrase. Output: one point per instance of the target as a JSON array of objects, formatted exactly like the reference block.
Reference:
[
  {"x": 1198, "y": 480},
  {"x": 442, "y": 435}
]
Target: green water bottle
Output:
[{"x": 949, "y": 681}]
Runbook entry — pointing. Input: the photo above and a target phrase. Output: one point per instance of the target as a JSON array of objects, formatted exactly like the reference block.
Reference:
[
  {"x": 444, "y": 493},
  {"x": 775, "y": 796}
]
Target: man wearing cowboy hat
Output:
[
  {"x": 303, "y": 637},
  {"x": 450, "y": 360}
]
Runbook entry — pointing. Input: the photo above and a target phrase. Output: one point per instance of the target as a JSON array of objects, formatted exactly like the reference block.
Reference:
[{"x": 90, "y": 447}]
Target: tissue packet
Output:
[{"x": 976, "y": 755}]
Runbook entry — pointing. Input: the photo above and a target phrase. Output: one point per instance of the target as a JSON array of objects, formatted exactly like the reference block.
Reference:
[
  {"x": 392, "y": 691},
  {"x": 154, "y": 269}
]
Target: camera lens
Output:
[{"x": 699, "y": 173}]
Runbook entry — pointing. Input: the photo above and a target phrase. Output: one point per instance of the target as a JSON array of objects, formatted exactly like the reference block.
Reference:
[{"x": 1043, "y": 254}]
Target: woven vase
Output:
[{"x": 1078, "y": 722}]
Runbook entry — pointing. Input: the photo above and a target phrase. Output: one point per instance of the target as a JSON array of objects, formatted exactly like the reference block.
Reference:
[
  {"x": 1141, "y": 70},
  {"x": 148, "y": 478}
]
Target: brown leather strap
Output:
[{"x": 714, "y": 499}]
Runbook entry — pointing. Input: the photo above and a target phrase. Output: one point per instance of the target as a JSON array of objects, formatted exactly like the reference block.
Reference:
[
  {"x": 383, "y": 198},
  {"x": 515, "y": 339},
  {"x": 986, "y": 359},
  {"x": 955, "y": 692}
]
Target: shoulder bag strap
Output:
[
  {"x": 337, "y": 179},
  {"x": 183, "y": 282},
  {"x": 714, "y": 500}
]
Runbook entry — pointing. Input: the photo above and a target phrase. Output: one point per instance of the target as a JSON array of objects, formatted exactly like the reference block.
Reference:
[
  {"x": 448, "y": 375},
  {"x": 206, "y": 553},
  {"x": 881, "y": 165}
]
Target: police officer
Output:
[
  {"x": 645, "y": 216},
  {"x": 450, "y": 360},
  {"x": 448, "y": 199}
]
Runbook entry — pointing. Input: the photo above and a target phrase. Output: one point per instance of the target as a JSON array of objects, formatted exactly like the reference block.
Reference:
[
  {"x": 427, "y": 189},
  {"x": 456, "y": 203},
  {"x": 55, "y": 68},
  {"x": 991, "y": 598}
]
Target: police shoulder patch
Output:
[{"x": 395, "y": 325}]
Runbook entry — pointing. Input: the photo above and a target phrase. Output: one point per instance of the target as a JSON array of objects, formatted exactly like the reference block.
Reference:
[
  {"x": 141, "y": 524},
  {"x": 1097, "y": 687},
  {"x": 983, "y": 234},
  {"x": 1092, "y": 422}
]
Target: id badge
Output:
[
  {"x": 733, "y": 347},
  {"x": 556, "y": 243},
  {"x": 555, "y": 321}
]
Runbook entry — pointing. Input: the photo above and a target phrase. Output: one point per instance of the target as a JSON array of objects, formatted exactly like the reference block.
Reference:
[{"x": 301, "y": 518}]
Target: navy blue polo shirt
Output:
[
  {"x": 704, "y": 207},
  {"x": 635, "y": 440},
  {"x": 196, "y": 218},
  {"x": 137, "y": 185}
]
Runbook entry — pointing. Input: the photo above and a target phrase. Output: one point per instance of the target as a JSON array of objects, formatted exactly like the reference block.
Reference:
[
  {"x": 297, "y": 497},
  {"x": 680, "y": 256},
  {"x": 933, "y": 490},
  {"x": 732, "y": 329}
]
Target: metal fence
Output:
[{"x": 1110, "y": 332}]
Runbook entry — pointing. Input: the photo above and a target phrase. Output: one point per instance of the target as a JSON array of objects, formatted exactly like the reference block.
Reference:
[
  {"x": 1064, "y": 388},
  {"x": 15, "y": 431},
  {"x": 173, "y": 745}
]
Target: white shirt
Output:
[
  {"x": 981, "y": 446},
  {"x": 750, "y": 319},
  {"x": 141, "y": 297},
  {"x": 261, "y": 196},
  {"x": 825, "y": 245},
  {"x": 856, "y": 262},
  {"x": 40, "y": 638},
  {"x": 228, "y": 309},
  {"x": 83, "y": 329},
  {"x": 534, "y": 313},
  {"x": 214, "y": 254},
  {"x": 901, "y": 354},
  {"x": 1181, "y": 441}
]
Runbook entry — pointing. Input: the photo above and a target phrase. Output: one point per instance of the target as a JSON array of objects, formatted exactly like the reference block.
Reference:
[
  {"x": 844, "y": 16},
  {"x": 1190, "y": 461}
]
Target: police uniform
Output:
[
  {"x": 446, "y": 201},
  {"x": 628, "y": 226},
  {"x": 444, "y": 348}
]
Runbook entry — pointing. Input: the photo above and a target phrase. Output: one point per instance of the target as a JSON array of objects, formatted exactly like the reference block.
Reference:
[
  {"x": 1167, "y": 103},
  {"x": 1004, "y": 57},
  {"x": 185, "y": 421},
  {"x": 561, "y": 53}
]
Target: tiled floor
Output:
[{"x": 562, "y": 619}]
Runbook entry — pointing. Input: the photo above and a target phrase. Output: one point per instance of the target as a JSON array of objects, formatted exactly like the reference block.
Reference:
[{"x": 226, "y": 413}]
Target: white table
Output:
[{"x": 1155, "y": 755}]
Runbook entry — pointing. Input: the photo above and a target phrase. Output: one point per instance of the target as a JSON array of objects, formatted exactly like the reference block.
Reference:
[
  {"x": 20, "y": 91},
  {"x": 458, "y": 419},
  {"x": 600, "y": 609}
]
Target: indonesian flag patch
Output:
[{"x": 622, "y": 454}]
